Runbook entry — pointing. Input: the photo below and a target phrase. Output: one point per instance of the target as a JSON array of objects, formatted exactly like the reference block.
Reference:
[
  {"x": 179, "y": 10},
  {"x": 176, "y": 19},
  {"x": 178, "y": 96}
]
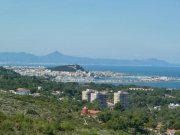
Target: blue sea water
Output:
[
  {"x": 137, "y": 70},
  {"x": 144, "y": 71}
]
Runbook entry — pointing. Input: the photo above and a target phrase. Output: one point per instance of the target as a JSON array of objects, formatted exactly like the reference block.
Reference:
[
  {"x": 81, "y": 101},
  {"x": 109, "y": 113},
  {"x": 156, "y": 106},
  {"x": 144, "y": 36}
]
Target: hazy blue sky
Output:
[{"x": 122, "y": 29}]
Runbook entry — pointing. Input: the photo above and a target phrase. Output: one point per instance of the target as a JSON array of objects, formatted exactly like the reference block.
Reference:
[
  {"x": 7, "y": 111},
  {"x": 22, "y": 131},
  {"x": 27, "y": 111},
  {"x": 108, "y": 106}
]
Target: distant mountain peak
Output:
[
  {"x": 55, "y": 53},
  {"x": 58, "y": 58}
]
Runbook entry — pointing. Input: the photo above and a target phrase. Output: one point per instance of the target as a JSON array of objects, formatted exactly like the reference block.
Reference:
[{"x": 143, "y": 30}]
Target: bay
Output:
[{"x": 143, "y": 71}]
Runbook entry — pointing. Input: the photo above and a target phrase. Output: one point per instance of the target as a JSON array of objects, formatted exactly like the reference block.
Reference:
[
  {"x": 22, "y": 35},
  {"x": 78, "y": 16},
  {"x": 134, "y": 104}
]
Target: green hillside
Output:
[
  {"x": 4, "y": 71},
  {"x": 68, "y": 68},
  {"x": 48, "y": 115},
  {"x": 25, "y": 115}
]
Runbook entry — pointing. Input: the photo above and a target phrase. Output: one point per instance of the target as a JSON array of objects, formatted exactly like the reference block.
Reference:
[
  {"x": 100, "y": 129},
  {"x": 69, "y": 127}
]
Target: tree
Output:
[{"x": 119, "y": 107}]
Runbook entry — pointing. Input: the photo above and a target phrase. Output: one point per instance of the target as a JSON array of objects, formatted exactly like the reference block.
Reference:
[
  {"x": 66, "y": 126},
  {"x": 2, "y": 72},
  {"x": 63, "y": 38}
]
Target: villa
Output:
[{"x": 23, "y": 91}]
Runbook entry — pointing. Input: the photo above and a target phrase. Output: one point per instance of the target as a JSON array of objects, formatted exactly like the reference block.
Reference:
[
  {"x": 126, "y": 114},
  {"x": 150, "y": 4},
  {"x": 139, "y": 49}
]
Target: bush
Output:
[
  {"x": 32, "y": 112},
  {"x": 67, "y": 126},
  {"x": 2, "y": 116},
  {"x": 7, "y": 125}
]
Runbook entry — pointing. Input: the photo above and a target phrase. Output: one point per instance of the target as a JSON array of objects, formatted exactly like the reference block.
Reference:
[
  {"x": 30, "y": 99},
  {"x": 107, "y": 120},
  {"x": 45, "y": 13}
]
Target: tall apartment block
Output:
[
  {"x": 92, "y": 95},
  {"x": 101, "y": 97},
  {"x": 86, "y": 95},
  {"x": 121, "y": 97}
]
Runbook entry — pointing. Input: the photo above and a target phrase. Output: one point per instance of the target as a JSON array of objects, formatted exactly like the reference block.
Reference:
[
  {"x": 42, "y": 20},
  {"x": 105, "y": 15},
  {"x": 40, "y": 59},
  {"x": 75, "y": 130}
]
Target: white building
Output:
[
  {"x": 93, "y": 95},
  {"x": 101, "y": 97},
  {"x": 121, "y": 97},
  {"x": 173, "y": 106},
  {"x": 23, "y": 91},
  {"x": 141, "y": 89},
  {"x": 86, "y": 95}
]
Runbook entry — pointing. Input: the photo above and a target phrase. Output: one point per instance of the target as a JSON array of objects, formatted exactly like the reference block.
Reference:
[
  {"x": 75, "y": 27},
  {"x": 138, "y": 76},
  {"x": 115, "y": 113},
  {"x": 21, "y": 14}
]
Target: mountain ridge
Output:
[{"x": 58, "y": 58}]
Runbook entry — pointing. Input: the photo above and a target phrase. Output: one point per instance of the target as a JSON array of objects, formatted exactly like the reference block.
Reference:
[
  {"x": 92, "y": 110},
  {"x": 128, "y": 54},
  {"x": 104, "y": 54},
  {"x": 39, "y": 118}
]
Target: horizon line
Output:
[{"x": 58, "y": 52}]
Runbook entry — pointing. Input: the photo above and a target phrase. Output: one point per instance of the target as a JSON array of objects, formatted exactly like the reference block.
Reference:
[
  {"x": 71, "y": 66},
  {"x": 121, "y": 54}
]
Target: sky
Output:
[{"x": 120, "y": 29}]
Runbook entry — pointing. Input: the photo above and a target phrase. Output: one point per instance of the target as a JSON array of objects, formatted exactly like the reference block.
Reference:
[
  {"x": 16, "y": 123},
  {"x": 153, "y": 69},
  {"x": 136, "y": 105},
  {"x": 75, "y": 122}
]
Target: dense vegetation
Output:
[
  {"x": 49, "y": 115},
  {"x": 68, "y": 68}
]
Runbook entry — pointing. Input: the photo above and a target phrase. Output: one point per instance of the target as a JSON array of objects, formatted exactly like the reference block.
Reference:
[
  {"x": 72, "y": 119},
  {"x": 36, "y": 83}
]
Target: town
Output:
[{"x": 87, "y": 76}]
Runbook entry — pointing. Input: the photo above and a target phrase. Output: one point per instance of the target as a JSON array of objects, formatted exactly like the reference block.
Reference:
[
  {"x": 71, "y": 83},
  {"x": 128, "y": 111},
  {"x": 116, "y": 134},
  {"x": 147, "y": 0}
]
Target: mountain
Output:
[{"x": 57, "y": 58}]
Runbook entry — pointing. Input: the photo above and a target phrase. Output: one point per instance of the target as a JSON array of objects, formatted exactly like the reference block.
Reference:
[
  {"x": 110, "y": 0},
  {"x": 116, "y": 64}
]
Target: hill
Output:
[
  {"x": 25, "y": 115},
  {"x": 4, "y": 71},
  {"x": 68, "y": 68},
  {"x": 60, "y": 114},
  {"x": 57, "y": 58}
]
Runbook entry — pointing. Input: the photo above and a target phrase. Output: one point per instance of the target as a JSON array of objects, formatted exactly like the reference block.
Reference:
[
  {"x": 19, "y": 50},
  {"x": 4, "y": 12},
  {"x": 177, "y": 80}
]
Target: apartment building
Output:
[{"x": 121, "y": 97}]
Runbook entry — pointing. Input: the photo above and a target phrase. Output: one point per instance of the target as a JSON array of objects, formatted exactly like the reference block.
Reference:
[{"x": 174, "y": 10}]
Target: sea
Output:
[{"x": 143, "y": 71}]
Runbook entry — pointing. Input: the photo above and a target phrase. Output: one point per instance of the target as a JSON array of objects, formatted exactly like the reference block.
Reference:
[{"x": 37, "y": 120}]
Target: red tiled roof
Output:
[
  {"x": 93, "y": 112},
  {"x": 22, "y": 89}
]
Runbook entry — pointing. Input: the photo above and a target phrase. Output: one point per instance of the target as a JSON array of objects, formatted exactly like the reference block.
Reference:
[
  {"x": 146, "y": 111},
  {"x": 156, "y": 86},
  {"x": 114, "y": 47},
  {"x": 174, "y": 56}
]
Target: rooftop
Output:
[{"x": 22, "y": 89}]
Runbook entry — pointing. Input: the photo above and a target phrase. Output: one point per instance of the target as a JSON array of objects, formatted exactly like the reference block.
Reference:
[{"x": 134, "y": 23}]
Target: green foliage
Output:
[
  {"x": 95, "y": 105},
  {"x": 105, "y": 116},
  {"x": 2, "y": 116},
  {"x": 67, "y": 126},
  {"x": 48, "y": 115},
  {"x": 119, "y": 107},
  {"x": 177, "y": 133},
  {"x": 32, "y": 112},
  {"x": 68, "y": 68},
  {"x": 90, "y": 132}
]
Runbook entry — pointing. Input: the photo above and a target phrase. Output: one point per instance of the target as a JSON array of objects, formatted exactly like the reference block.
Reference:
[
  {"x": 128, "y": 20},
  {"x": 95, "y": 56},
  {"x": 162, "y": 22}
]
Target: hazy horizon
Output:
[
  {"x": 95, "y": 29},
  {"x": 85, "y": 56}
]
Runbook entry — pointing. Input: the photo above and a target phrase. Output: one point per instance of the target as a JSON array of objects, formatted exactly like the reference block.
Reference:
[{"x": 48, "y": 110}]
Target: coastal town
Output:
[
  {"x": 88, "y": 76},
  {"x": 89, "y": 67}
]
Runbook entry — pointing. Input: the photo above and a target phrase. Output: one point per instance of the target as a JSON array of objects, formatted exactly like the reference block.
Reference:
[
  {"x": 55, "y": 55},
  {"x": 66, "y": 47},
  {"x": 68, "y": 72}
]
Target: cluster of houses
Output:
[
  {"x": 172, "y": 132},
  {"x": 24, "y": 91},
  {"x": 141, "y": 89},
  {"x": 21, "y": 91},
  {"x": 173, "y": 106},
  {"x": 88, "y": 112},
  {"x": 170, "y": 106}
]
